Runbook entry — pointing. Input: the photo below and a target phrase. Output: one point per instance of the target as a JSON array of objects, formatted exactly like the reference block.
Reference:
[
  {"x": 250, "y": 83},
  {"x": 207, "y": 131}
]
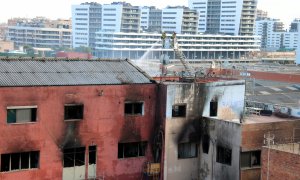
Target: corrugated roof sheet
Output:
[{"x": 22, "y": 72}]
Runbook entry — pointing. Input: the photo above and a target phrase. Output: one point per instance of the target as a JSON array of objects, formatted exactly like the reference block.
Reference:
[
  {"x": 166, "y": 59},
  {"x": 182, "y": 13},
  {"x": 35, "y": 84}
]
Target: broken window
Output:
[
  {"x": 73, "y": 111},
  {"x": 92, "y": 154},
  {"x": 213, "y": 111},
  {"x": 205, "y": 143},
  {"x": 134, "y": 108},
  {"x": 19, "y": 161},
  {"x": 179, "y": 110},
  {"x": 135, "y": 149},
  {"x": 250, "y": 159},
  {"x": 74, "y": 157},
  {"x": 187, "y": 150},
  {"x": 223, "y": 155},
  {"x": 21, "y": 114}
]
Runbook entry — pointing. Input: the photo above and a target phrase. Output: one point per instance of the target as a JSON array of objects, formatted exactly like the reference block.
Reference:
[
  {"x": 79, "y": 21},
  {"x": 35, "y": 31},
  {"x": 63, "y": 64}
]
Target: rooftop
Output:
[
  {"x": 293, "y": 148},
  {"x": 62, "y": 72},
  {"x": 255, "y": 119}
]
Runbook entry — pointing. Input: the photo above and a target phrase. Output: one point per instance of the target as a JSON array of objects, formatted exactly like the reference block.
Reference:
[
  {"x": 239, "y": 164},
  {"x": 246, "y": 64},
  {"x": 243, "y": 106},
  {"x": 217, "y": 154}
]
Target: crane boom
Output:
[{"x": 182, "y": 58}]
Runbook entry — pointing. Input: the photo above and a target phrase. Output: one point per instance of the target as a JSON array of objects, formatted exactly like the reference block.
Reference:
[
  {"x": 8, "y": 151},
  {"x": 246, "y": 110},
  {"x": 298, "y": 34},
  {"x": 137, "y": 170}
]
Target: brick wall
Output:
[
  {"x": 282, "y": 165},
  {"x": 253, "y": 138}
]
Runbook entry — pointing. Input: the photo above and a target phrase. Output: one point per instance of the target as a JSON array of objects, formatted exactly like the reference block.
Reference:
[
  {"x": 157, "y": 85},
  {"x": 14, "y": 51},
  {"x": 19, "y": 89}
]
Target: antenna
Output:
[{"x": 268, "y": 140}]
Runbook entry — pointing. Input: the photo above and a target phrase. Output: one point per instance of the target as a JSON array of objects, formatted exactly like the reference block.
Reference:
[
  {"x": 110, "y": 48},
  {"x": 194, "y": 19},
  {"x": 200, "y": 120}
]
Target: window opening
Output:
[{"x": 179, "y": 110}]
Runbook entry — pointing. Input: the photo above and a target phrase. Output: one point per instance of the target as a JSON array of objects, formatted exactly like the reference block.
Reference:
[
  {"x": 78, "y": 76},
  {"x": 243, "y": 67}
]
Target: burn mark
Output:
[
  {"x": 124, "y": 79},
  {"x": 130, "y": 132},
  {"x": 71, "y": 136},
  {"x": 191, "y": 132}
]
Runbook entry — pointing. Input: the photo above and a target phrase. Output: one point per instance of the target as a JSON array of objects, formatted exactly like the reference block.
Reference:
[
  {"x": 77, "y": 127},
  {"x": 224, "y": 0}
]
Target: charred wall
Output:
[{"x": 103, "y": 125}]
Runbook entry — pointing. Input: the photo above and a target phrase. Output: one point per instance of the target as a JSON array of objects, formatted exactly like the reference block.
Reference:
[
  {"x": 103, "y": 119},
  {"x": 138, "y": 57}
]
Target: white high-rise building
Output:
[
  {"x": 86, "y": 21},
  {"x": 178, "y": 19},
  {"x": 120, "y": 17},
  {"x": 151, "y": 19},
  {"x": 274, "y": 37},
  {"x": 271, "y": 33},
  {"x": 233, "y": 17}
]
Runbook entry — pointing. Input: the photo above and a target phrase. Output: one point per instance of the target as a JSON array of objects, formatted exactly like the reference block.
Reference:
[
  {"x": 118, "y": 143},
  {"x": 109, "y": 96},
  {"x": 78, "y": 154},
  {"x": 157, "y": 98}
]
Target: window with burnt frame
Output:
[
  {"x": 21, "y": 114},
  {"x": 134, "y": 149},
  {"x": 213, "y": 111},
  {"x": 205, "y": 143},
  {"x": 187, "y": 150},
  {"x": 224, "y": 155},
  {"x": 73, "y": 111},
  {"x": 250, "y": 159},
  {"x": 92, "y": 154},
  {"x": 134, "y": 108},
  {"x": 20, "y": 161},
  {"x": 179, "y": 110},
  {"x": 76, "y": 156}
]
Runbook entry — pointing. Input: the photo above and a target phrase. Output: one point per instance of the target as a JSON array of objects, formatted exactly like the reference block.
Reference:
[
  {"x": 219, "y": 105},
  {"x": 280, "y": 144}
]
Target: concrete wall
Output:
[
  {"x": 178, "y": 130},
  {"x": 104, "y": 125},
  {"x": 197, "y": 97},
  {"x": 230, "y": 96},
  {"x": 226, "y": 134}
]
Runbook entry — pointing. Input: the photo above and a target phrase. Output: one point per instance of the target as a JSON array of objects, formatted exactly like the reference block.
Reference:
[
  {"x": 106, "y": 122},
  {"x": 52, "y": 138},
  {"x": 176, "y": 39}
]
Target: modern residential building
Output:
[
  {"x": 274, "y": 37},
  {"x": 86, "y": 21},
  {"x": 181, "y": 20},
  {"x": 234, "y": 17},
  {"x": 196, "y": 47},
  {"x": 121, "y": 17},
  {"x": 260, "y": 14},
  {"x": 151, "y": 19},
  {"x": 271, "y": 32},
  {"x": 41, "y": 33}
]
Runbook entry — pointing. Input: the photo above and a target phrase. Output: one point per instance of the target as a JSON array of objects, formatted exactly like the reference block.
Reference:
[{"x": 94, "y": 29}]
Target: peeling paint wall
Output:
[
  {"x": 230, "y": 96},
  {"x": 225, "y": 134},
  {"x": 180, "y": 129},
  {"x": 197, "y": 97}
]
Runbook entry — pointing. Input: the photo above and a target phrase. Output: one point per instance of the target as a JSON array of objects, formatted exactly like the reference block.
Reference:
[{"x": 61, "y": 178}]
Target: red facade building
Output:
[{"x": 75, "y": 120}]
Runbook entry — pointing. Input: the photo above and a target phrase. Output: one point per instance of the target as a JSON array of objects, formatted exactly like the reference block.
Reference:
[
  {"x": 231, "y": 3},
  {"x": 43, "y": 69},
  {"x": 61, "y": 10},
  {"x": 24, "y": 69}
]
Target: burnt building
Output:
[
  {"x": 75, "y": 119},
  {"x": 186, "y": 108}
]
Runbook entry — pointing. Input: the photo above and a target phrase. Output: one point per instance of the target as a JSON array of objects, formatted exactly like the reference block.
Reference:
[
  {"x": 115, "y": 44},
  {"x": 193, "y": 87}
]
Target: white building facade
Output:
[
  {"x": 199, "y": 47},
  {"x": 271, "y": 33},
  {"x": 274, "y": 37},
  {"x": 233, "y": 17},
  {"x": 120, "y": 17},
  {"x": 86, "y": 20},
  {"x": 151, "y": 19},
  {"x": 181, "y": 20},
  {"x": 40, "y": 37}
]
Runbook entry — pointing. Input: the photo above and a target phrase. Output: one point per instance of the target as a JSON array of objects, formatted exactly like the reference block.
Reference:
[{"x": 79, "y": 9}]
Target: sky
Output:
[{"x": 285, "y": 10}]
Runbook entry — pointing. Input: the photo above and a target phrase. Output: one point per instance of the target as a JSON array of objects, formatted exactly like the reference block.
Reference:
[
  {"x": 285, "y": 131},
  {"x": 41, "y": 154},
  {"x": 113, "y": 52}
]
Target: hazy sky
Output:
[{"x": 286, "y": 10}]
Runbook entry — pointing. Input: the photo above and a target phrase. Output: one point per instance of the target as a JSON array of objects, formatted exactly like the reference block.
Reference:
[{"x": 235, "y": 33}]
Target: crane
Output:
[{"x": 178, "y": 53}]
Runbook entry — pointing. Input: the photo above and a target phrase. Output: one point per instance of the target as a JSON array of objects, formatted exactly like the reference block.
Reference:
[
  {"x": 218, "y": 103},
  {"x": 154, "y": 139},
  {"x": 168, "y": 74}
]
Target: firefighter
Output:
[
  {"x": 163, "y": 38},
  {"x": 173, "y": 39}
]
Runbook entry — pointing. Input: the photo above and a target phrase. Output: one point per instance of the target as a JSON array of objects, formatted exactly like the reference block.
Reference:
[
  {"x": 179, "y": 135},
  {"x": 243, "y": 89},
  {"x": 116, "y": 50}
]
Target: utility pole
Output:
[{"x": 269, "y": 140}]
